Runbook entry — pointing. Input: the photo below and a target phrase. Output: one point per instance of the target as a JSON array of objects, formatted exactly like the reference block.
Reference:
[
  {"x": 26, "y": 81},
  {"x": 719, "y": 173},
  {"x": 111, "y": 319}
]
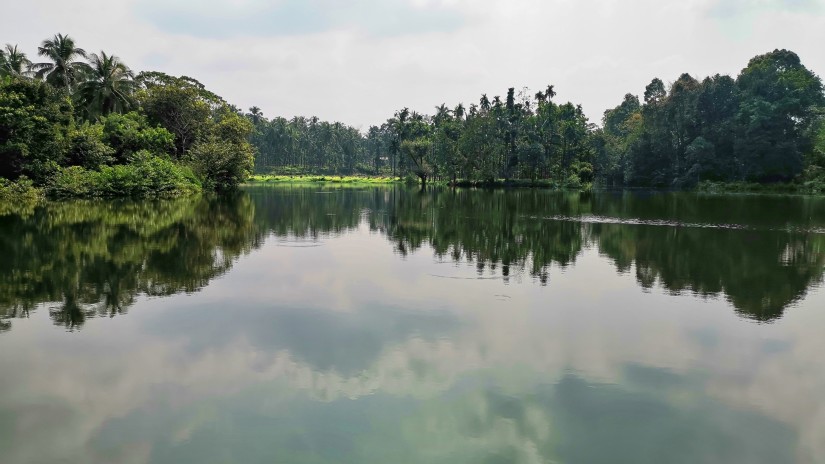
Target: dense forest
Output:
[
  {"x": 766, "y": 125},
  {"x": 84, "y": 124}
]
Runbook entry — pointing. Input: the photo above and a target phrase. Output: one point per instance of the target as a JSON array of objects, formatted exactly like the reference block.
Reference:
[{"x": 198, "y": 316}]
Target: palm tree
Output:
[
  {"x": 13, "y": 62},
  {"x": 442, "y": 113},
  {"x": 108, "y": 87},
  {"x": 64, "y": 70},
  {"x": 255, "y": 115}
]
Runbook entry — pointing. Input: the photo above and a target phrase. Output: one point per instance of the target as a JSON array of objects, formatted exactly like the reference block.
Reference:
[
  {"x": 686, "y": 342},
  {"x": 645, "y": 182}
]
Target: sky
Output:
[{"x": 359, "y": 61}]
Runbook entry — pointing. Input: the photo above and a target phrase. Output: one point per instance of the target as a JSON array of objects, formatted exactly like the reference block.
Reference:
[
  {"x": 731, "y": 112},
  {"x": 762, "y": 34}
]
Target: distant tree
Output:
[
  {"x": 255, "y": 115},
  {"x": 418, "y": 150}
]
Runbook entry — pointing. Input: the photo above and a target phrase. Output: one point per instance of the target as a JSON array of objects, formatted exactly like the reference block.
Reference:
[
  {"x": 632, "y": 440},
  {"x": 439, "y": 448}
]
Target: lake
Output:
[{"x": 388, "y": 325}]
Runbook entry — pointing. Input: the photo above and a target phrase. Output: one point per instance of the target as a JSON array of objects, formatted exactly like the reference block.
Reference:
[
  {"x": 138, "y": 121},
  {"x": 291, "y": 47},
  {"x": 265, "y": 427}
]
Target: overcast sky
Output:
[{"x": 359, "y": 61}]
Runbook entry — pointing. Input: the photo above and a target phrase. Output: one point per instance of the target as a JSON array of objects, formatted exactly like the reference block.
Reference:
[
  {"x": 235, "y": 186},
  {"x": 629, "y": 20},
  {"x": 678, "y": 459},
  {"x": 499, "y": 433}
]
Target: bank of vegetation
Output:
[
  {"x": 82, "y": 124},
  {"x": 323, "y": 179},
  {"x": 764, "y": 127}
]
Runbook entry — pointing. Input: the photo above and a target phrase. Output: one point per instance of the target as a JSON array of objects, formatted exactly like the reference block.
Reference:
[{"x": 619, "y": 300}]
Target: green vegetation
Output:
[
  {"x": 305, "y": 179},
  {"x": 18, "y": 197},
  {"x": 82, "y": 117},
  {"x": 765, "y": 127},
  {"x": 758, "y": 128},
  {"x": 84, "y": 125},
  {"x": 146, "y": 175}
]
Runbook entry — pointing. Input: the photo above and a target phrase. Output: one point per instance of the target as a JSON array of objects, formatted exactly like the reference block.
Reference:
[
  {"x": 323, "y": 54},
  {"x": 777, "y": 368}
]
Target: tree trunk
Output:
[{"x": 423, "y": 178}]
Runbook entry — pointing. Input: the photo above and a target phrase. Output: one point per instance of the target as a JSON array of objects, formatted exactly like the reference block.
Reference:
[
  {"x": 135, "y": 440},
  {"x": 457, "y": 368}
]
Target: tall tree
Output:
[
  {"x": 13, "y": 62},
  {"x": 108, "y": 87},
  {"x": 63, "y": 68},
  {"x": 779, "y": 97}
]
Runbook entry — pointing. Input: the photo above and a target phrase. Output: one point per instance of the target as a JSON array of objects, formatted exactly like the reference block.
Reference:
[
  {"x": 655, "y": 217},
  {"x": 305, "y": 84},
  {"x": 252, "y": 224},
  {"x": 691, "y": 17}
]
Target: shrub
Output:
[
  {"x": 130, "y": 133},
  {"x": 573, "y": 182},
  {"x": 146, "y": 175},
  {"x": 87, "y": 149},
  {"x": 22, "y": 188},
  {"x": 18, "y": 197},
  {"x": 221, "y": 165}
]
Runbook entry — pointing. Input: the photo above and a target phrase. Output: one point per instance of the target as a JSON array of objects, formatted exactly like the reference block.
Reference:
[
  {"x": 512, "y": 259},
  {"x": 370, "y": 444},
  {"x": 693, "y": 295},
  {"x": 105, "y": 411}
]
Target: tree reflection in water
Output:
[{"x": 94, "y": 258}]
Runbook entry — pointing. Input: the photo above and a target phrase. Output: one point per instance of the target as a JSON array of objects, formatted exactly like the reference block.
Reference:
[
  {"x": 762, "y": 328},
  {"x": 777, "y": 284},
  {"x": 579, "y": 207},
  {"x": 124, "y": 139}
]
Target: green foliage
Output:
[
  {"x": 180, "y": 108},
  {"x": 130, "y": 133},
  {"x": 13, "y": 62},
  {"x": 419, "y": 151},
  {"x": 757, "y": 128},
  {"x": 145, "y": 175},
  {"x": 35, "y": 120},
  {"x": 220, "y": 164},
  {"x": 87, "y": 149},
  {"x": 764, "y": 126},
  {"x": 107, "y": 87},
  {"x": 18, "y": 197},
  {"x": 306, "y": 179},
  {"x": 21, "y": 187},
  {"x": 64, "y": 68},
  {"x": 170, "y": 117}
]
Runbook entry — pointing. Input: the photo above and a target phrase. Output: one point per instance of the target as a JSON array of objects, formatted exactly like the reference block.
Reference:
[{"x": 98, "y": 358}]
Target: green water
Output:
[{"x": 384, "y": 325}]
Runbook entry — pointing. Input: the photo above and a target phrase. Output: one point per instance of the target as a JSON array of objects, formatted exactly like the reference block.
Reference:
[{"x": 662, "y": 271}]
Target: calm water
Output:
[{"x": 310, "y": 325}]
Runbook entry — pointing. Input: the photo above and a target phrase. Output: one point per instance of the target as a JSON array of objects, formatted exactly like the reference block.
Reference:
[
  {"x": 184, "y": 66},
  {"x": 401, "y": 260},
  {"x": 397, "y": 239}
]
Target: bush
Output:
[
  {"x": 19, "y": 197},
  {"x": 145, "y": 176},
  {"x": 573, "y": 182},
  {"x": 87, "y": 149},
  {"x": 130, "y": 133},
  {"x": 221, "y": 165},
  {"x": 22, "y": 189}
]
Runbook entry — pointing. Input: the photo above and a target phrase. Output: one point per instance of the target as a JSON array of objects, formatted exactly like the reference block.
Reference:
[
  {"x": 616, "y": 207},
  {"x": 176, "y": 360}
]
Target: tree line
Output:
[
  {"x": 85, "y": 124},
  {"x": 765, "y": 125}
]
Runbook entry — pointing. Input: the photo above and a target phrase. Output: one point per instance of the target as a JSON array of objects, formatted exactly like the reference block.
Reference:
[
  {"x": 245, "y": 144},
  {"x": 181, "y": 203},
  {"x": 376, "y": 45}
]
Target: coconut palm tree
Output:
[
  {"x": 255, "y": 115},
  {"x": 442, "y": 113},
  {"x": 64, "y": 70},
  {"x": 108, "y": 86},
  {"x": 13, "y": 62}
]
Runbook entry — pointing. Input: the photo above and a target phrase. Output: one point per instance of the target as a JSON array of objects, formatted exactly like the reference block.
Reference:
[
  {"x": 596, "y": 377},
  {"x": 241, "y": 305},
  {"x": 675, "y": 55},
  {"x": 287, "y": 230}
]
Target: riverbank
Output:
[
  {"x": 309, "y": 179},
  {"x": 789, "y": 188},
  {"x": 382, "y": 180}
]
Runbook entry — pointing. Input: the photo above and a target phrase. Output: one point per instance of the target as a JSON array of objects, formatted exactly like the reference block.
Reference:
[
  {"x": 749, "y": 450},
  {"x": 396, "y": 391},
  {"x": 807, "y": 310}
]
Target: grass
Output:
[{"x": 305, "y": 179}]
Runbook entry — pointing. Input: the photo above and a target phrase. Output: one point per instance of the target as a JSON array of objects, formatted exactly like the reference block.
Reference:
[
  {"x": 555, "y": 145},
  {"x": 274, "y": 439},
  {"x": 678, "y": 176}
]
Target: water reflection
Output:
[
  {"x": 86, "y": 259},
  {"x": 92, "y": 258},
  {"x": 358, "y": 331},
  {"x": 761, "y": 253}
]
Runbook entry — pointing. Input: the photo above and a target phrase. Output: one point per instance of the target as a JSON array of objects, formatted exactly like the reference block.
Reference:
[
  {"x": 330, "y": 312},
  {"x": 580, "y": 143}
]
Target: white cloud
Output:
[{"x": 350, "y": 66}]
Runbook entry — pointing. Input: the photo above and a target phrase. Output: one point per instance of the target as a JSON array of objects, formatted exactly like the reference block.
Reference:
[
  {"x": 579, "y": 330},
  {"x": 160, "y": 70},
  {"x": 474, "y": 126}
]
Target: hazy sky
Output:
[{"x": 359, "y": 61}]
